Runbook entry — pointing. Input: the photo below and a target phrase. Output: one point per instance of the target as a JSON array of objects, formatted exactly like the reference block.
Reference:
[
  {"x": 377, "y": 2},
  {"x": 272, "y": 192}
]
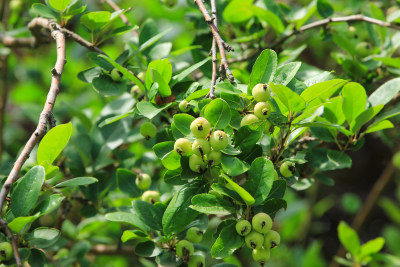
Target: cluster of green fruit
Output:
[
  {"x": 205, "y": 149},
  {"x": 143, "y": 182},
  {"x": 262, "y": 110},
  {"x": 259, "y": 236},
  {"x": 6, "y": 251},
  {"x": 185, "y": 249}
]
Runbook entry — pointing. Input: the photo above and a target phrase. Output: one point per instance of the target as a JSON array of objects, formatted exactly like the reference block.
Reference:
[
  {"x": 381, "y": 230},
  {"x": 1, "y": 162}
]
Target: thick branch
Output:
[
  {"x": 44, "y": 115},
  {"x": 222, "y": 45}
]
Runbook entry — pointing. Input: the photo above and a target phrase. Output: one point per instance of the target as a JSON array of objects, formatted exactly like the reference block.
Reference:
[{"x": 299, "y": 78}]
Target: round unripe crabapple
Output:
[
  {"x": 214, "y": 157},
  {"x": 272, "y": 239},
  {"x": 200, "y": 127},
  {"x": 269, "y": 127},
  {"x": 218, "y": 140},
  {"x": 248, "y": 119},
  {"x": 183, "y": 146},
  {"x": 148, "y": 130},
  {"x": 184, "y": 249},
  {"x": 261, "y": 92},
  {"x": 262, "y": 223},
  {"x": 197, "y": 261},
  {"x": 194, "y": 235},
  {"x": 116, "y": 75},
  {"x": 261, "y": 255},
  {"x": 201, "y": 147},
  {"x": 243, "y": 227},
  {"x": 363, "y": 49},
  {"x": 197, "y": 164},
  {"x": 143, "y": 181},
  {"x": 287, "y": 169},
  {"x": 184, "y": 106},
  {"x": 6, "y": 251},
  {"x": 276, "y": 176},
  {"x": 262, "y": 110},
  {"x": 254, "y": 240},
  {"x": 151, "y": 196}
]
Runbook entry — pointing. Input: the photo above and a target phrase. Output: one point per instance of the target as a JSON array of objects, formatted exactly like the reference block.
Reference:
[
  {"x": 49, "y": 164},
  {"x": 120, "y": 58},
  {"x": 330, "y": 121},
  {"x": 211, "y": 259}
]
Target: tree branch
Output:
[
  {"x": 222, "y": 45},
  {"x": 214, "y": 53},
  {"x": 42, "y": 124},
  {"x": 124, "y": 19}
]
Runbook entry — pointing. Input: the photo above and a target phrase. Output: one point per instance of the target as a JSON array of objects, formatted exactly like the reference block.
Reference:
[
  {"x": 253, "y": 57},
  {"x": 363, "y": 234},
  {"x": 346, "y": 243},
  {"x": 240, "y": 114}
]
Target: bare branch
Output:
[
  {"x": 222, "y": 45},
  {"x": 214, "y": 53}
]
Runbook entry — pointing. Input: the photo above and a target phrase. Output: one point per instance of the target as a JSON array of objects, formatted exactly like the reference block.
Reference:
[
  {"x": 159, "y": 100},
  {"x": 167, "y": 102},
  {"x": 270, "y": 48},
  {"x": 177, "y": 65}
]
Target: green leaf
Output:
[
  {"x": 223, "y": 190},
  {"x": 26, "y": 192},
  {"x": 60, "y": 5},
  {"x": 238, "y": 11},
  {"x": 77, "y": 182},
  {"x": 242, "y": 192},
  {"x": 365, "y": 117},
  {"x": 322, "y": 90},
  {"x": 150, "y": 110},
  {"x": 105, "y": 86},
  {"x": 218, "y": 113},
  {"x": 126, "y": 182},
  {"x": 269, "y": 17},
  {"x": 43, "y": 237},
  {"x": 292, "y": 101},
  {"x": 171, "y": 160},
  {"x": 272, "y": 206},
  {"x": 278, "y": 189},
  {"x": 134, "y": 234},
  {"x": 385, "y": 92},
  {"x": 326, "y": 159},
  {"x": 324, "y": 8},
  {"x": 21, "y": 224},
  {"x": 45, "y": 11},
  {"x": 164, "y": 68},
  {"x": 354, "y": 101},
  {"x": 349, "y": 238},
  {"x": 333, "y": 110},
  {"x": 49, "y": 204},
  {"x": 211, "y": 204},
  {"x": 148, "y": 214},
  {"x": 260, "y": 179},
  {"x": 233, "y": 166},
  {"x": 284, "y": 74},
  {"x": 378, "y": 126},
  {"x": 178, "y": 214},
  {"x": 125, "y": 72},
  {"x": 371, "y": 247},
  {"x": 54, "y": 142},
  {"x": 227, "y": 242},
  {"x": 182, "y": 122},
  {"x": 148, "y": 249},
  {"x": 129, "y": 218},
  {"x": 150, "y": 42},
  {"x": 246, "y": 137},
  {"x": 162, "y": 86},
  {"x": 179, "y": 77},
  {"x": 264, "y": 69},
  {"x": 95, "y": 20}
]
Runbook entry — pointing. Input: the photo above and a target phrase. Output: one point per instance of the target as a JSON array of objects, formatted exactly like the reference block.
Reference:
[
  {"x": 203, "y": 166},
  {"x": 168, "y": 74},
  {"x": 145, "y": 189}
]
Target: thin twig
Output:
[
  {"x": 369, "y": 203},
  {"x": 214, "y": 75},
  {"x": 124, "y": 19},
  {"x": 42, "y": 124},
  {"x": 3, "y": 99},
  {"x": 222, "y": 45}
]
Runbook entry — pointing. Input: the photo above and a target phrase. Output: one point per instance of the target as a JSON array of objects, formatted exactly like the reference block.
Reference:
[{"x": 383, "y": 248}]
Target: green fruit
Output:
[
  {"x": 197, "y": 164},
  {"x": 254, "y": 240},
  {"x": 269, "y": 128},
  {"x": 243, "y": 227},
  {"x": 287, "y": 169},
  {"x": 272, "y": 239},
  {"x": 261, "y": 255},
  {"x": 248, "y": 119},
  {"x": 136, "y": 91},
  {"x": 151, "y": 196},
  {"x": 201, "y": 147},
  {"x": 6, "y": 251},
  {"x": 170, "y": 3},
  {"x": 214, "y": 157},
  {"x": 261, "y": 92},
  {"x": 194, "y": 235},
  {"x": 197, "y": 261},
  {"x": 351, "y": 32},
  {"x": 184, "y": 106},
  {"x": 218, "y": 140},
  {"x": 262, "y": 223},
  {"x": 396, "y": 160},
  {"x": 276, "y": 176},
  {"x": 116, "y": 75},
  {"x": 200, "y": 127},
  {"x": 141, "y": 75},
  {"x": 183, "y": 146},
  {"x": 363, "y": 49},
  {"x": 148, "y": 130},
  {"x": 262, "y": 110},
  {"x": 143, "y": 181},
  {"x": 184, "y": 249}
]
